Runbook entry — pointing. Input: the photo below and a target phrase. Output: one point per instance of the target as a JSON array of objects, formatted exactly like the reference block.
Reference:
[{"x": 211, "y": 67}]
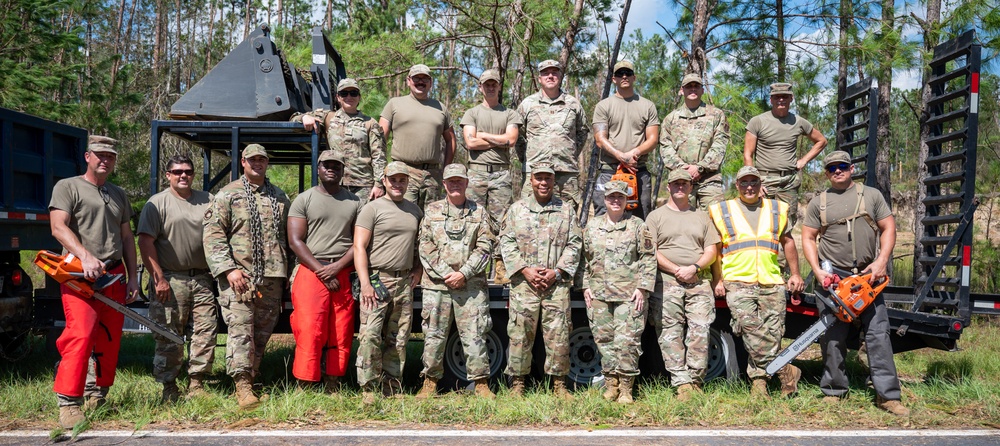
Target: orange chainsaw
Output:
[
  {"x": 848, "y": 299},
  {"x": 68, "y": 271}
]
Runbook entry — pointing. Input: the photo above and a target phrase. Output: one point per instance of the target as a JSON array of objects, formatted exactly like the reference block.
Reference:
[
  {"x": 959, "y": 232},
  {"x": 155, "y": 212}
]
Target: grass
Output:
[{"x": 944, "y": 389}]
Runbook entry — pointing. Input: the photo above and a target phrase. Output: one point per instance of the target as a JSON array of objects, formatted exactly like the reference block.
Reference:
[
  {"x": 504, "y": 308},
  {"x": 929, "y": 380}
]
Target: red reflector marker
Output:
[
  {"x": 16, "y": 278},
  {"x": 957, "y": 326}
]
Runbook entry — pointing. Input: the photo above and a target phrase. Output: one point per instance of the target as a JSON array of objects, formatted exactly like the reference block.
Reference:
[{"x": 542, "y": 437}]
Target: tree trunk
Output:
[
  {"x": 158, "y": 36},
  {"x": 210, "y": 38},
  {"x": 176, "y": 63},
  {"x": 699, "y": 38},
  {"x": 780, "y": 55},
  {"x": 622, "y": 20},
  {"x": 930, "y": 33},
  {"x": 846, "y": 19},
  {"x": 570, "y": 37},
  {"x": 884, "y": 135}
]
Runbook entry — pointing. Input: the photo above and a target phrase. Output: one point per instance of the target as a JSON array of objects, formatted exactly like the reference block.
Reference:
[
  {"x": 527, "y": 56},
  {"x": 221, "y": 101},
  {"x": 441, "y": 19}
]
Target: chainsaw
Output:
[
  {"x": 68, "y": 271},
  {"x": 848, "y": 299}
]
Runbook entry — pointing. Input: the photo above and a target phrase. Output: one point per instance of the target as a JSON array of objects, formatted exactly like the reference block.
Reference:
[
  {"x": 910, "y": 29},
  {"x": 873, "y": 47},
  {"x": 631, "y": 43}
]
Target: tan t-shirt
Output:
[
  {"x": 752, "y": 214},
  {"x": 682, "y": 236},
  {"x": 627, "y": 120},
  {"x": 329, "y": 220},
  {"x": 491, "y": 120},
  {"x": 416, "y": 127},
  {"x": 96, "y": 214},
  {"x": 777, "y": 140},
  {"x": 176, "y": 227},
  {"x": 835, "y": 245},
  {"x": 394, "y": 233}
]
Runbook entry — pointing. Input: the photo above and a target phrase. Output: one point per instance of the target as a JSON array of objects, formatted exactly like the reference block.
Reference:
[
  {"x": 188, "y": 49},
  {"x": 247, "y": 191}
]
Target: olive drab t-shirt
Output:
[
  {"x": 682, "y": 236},
  {"x": 176, "y": 227},
  {"x": 491, "y": 120},
  {"x": 394, "y": 229},
  {"x": 96, "y": 214},
  {"x": 834, "y": 245},
  {"x": 777, "y": 140},
  {"x": 329, "y": 221},
  {"x": 752, "y": 214},
  {"x": 417, "y": 127},
  {"x": 627, "y": 120}
]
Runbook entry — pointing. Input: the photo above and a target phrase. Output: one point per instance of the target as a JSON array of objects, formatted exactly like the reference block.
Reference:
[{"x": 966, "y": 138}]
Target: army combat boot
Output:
[
  {"x": 369, "y": 394},
  {"x": 429, "y": 389},
  {"x": 244, "y": 392},
  {"x": 170, "y": 393},
  {"x": 69, "y": 416},
  {"x": 331, "y": 384},
  {"x": 789, "y": 376},
  {"x": 559, "y": 387},
  {"x": 625, "y": 389},
  {"x": 758, "y": 388},
  {"x": 483, "y": 389},
  {"x": 517, "y": 386},
  {"x": 196, "y": 386},
  {"x": 610, "y": 387},
  {"x": 894, "y": 407},
  {"x": 685, "y": 392}
]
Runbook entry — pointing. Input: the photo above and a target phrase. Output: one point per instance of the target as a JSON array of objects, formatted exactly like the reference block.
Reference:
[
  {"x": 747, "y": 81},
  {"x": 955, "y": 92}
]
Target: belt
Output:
[
  {"x": 489, "y": 168},
  {"x": 190, "y": 272},
  {"x": 613, "y": 171},
  {"x": 424, "y": 166},
  {"x": 780, "y": 173},
  {"x": 396, "y": 274}
]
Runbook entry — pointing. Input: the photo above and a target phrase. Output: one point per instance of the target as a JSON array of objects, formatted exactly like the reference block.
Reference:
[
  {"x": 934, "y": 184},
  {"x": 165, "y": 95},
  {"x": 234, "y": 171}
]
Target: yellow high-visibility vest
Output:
[{"x": 747, "y": 256}]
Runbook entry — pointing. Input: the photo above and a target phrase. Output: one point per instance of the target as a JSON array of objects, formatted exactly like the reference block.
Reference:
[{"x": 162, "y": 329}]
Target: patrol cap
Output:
[
  {"x": 624, "y": 63},
  {"x": 255, "y": 150},
  {"x": 419, "y": 69},
  {"x": 615, "y": 187},
  {"x": 542, "y": 167},
  {"x": 331, "y": 155},
  {"x": 454, "y": 170},
  {"x": 679, "y": 174},
  {"x": 691, "y": 77},
  {"x": 836, "y": 157},
  {"x": 781, "y": 88},
  {"x": 396, "y": 168},
  {"x": 747, "y": 171},
  {"x": 98, "y": 143},
  {"x": 489, "y": 75},
  {"x": 346, "y": 83},
  {"x": 549, "y": 63}
]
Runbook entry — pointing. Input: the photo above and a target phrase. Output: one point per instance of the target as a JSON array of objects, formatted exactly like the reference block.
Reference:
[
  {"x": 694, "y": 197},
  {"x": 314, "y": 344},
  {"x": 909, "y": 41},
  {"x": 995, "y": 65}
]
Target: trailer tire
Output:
[{"x": 455, "y": 374}]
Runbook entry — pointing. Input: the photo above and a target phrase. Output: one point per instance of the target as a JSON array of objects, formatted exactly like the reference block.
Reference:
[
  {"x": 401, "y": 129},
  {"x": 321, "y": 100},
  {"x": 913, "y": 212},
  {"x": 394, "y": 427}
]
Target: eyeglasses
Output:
[
  {"x": 834, "y": 168},
  {"x": 351, "y": 93},
  {"x": 745, "y": 183},
  {"x": 552, "y": 73},
  {"x": 624, "y": 73},
  {"x": 179, "y": 172},
  {"x": 105, "y": 195}
]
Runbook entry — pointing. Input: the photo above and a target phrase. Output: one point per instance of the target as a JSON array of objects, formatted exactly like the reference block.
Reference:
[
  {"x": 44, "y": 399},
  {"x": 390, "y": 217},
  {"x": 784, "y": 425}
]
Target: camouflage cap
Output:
[
  {"x": 455, "y": 170},
  {"x": 542, "y": 167},
  {"x": 549, "y": 63},
  {"x": 489, "y": 75},
  {"x": 255, "y": 150},
  {"x": 837, "y": 157},
  {"x": 746, "y": 171},
  {"x": 691, "y": 77},
  {"x": 624, "y": 63},
  {"x": 679, "y": 174},
  {"x": 331, "y": 155},
  {"x": 781, "y": 88},
  {"x": 396, "y": 168},
  {"x": 615, "y": 187},
  {"x": 98, "y": 143},
  {"x": 346, "y": 83},
  {"x": 419, "y": 69}
]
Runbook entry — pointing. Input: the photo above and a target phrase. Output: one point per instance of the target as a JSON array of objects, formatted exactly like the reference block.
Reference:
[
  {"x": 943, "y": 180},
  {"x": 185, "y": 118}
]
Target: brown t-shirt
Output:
[
  {"x": 627, "y": 120},
  {"x": 176, "y": 227},
  {"x": 416, "y": 127},
  {"x": 96, "y": 214},
  {"x": 752, "y": 214},
  {"x": 329, "y": 220},
  {"x": 491, "y": 120},
  {"x": 834, "y": 245},
  {"x": 777, "y": 140},
  {"x": 682, "y": 236},
  {"x": 394, "y": 233}
]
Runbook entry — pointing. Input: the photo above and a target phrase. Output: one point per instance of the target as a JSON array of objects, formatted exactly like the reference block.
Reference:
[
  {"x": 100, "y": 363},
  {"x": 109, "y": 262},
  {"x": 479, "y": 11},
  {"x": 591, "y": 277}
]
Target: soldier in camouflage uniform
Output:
[
  {"x": 356, "y": 137},
  {"x": 540, "y": 243},
  {"x": 619, "y": 273},
  {"x": 682, "y": 307},
  {"x": 246, "y": 248},
  {"x": 555, "y": 129},
  {"x": 456, "y": 242},
  {"x": 694, "y": 137},
  {"x": 170, "y": 233}
]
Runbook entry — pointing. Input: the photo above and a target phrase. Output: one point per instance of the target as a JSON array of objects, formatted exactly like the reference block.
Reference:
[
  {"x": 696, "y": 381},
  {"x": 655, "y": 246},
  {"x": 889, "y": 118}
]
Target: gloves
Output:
[
  {"x": 380, "y": 290},
  {"x": 355, "y": 285},
  {"x": 248, "y": 296},
  {"x": 831, "y": 279}
]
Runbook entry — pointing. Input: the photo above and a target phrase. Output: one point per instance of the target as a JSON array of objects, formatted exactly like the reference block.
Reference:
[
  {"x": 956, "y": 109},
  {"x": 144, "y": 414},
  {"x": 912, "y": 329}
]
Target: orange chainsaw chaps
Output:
[
  {"x": 61, "y": 268},
  {"x": 857, "y": 294},
  {"x": 626, "y": 174}
]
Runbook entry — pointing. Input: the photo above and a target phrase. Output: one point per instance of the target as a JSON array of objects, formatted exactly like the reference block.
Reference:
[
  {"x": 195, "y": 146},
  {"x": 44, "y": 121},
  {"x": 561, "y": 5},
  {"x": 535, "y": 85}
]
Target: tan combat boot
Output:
[
  {"x": 500, "y": 273},
  {"x": 196, "y": 387},
  {"x": 331, "y": 384},
  {"x": 758, "y": 388},
  {"x": 483, "y": 389},
  {"x": 789, "y": 376},
  {"x": 69, "y": 416},
  {"x": 429, "y": 389},
  {"x": 369, "y": 394},
  {"x": 559, "y": 387},
  {"x": 517, "y": 386},
  {"x": 244, "y": 392},
  {"x": 894, "y": 407},
  {"x": 610, "y": 387},
  {"x": 170, "y": 393},
  {"x": 685, "y": 392},
  {"x": 625, "y": 389}
]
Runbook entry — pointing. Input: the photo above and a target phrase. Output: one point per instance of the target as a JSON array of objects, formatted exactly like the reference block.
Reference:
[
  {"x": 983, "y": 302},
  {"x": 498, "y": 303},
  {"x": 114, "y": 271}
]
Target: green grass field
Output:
[{"x": 943, "y": 389}]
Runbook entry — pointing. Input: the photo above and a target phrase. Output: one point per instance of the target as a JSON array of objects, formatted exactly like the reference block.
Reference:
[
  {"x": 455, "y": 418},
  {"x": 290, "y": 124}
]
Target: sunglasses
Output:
[
  {"x": 624, "y": 73},
  {"x": 745, "y": 183},
  {"x": 105, "y": 195},
  {"x": 179, "y": 172},
  {"x": 351, "y": 93},
  {"x": 834, "y": 168}
]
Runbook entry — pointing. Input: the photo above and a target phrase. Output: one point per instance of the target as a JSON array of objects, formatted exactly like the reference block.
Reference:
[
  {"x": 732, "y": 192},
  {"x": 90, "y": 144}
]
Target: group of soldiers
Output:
[{"x": 371, "y": 231}]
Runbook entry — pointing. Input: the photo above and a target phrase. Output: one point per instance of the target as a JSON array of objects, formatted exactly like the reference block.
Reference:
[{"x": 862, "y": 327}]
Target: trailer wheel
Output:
[
  {"x": 584, "y": 357},
  {"x": 455, "y": 373},
  {"x": 723, "y": 361}
]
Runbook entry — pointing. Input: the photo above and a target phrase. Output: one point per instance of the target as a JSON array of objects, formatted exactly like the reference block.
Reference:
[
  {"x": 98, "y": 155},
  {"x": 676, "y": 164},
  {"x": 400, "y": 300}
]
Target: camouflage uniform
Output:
[
  {"x": 555, "y": 131},
  {"x": 698, "y": 137},
  {"x": 190, "y": 311},
  {"x": 547, "y": 236},
  {"x": 360, "y": 141},
  {"x": 784, "y": 186},
  {"x": 494, "y": 190},
  {"x": 683, "y": 316},
  {"x": 455, "y": 239},
  {"x": 759, "y": 318},
  {"x": 384, "y": 350},
  {"x": 619, "y": 258},
  {"x": 227, "y": 247}
]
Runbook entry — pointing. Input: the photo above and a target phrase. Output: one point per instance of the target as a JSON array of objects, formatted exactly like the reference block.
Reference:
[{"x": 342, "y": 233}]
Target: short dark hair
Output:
[{"x": 179, "y": 159}]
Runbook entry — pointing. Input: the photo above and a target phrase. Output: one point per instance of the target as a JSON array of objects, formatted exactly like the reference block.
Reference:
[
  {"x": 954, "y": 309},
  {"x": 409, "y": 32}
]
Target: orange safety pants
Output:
[{"x": 323, "y": 325}]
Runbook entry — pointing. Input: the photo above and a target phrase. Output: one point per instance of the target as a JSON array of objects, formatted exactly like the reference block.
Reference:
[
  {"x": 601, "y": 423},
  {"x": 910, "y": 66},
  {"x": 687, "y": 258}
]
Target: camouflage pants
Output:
[
  {"x": 784, "y": 188},
  {"x": 682, "y": 316},
  {"x": 492, "y": 190},
  {"x": 617, "y": 329},
  {"x": 424, "y": 186},
  {"x": 567, "y": 188},
  {"x": 362, "y": 192},
  {"x": 385, "y": 330},
  {"x": 189, "y": 311},
  {"x": 706, "y": 194},
  {"x": 758, "y": 318},
  {"x": 471, "y": 310},
  {"x": 525, "y": 308},
  {"x": 250, "y": 324}
]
